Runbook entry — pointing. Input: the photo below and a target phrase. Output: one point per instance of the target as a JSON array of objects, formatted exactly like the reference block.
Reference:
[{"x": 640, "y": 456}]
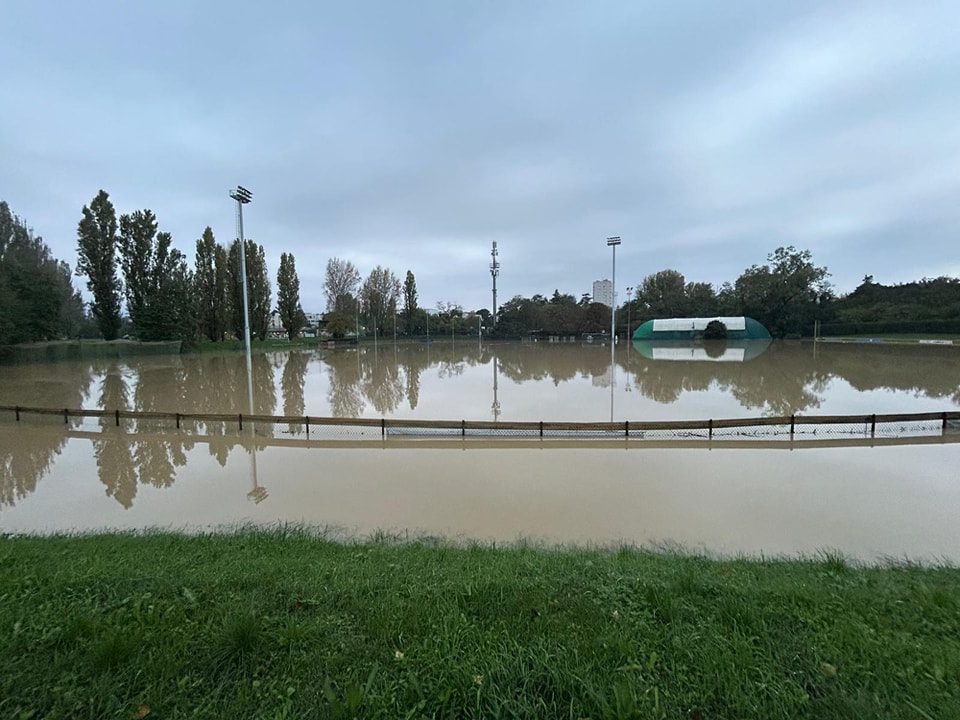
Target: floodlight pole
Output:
[
  {"x": 612, "y": 242},
  {"x": 243, "y": 196}
]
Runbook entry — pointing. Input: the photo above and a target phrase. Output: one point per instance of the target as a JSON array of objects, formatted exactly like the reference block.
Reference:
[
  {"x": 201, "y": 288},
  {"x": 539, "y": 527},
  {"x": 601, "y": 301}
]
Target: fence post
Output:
[
  {"x": 793, "y": 421},
  {"x": 944, "y": 416},
  {"x": 66, "y": 414},
  {"x": 626, "y": 428},
  {"x": 873, "y": 425},
  {"x": 383, "y": 428},
  {"x": 178, "y": 421},
  {"x": 463, "y": 428},
  {"x": 307, "y": 419},
  {"x": 541, "y": 428},
  {"x": 710, "y": 429},
  {"x": 116, "y": 417},
  {"x": 240, "y": 420},
  {"x": 943, "y": 423}
]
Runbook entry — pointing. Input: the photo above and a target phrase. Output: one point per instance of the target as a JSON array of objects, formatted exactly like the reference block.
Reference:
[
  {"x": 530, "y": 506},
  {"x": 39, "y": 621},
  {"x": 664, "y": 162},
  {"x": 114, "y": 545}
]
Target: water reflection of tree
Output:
[
  {"x": 291, "y": 384},
  {"x": 161, "y": 387},
  {"x": 411, "y": 376},
  {"x": 112, "y": 449},
  {"x": 343, "y": 391},
  {"x": 381, "y": 383},
  {"x": 25, "y": 457},
  {"x": 558, "y": 362}
]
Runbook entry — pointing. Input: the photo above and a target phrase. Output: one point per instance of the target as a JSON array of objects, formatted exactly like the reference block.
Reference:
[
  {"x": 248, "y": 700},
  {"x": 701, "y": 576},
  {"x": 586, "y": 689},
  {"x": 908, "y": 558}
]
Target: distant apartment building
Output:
[{"x": 603, "y": 292}]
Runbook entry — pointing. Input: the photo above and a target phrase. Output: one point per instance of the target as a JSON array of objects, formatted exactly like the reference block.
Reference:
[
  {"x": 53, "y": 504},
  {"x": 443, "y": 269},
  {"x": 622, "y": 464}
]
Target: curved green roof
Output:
[{"x": 738, "y": 328}]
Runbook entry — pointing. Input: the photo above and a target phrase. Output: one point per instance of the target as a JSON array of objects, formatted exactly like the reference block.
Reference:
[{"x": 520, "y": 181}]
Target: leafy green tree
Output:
[
  {"x": 96, "y": 258},
  {"x": 258, "y": 288},
  {"x": 37, "y": 298},
  {"x": 562, "y": 316},
  {"x": 158, "y": 284},
  {"x": 410, "y": 300},
  {"x": 786, "y": 295},
  {"x": 210, "y": 268},
  {"x": 701, "y": 299},
  {"x": 137, "y": 241},
  {"x": 288, "y": 297},
  {"x": 340, "y": 283},
  {"x": 340, "y": 286},
  {"x": 663, "y": 295},
  {"x": 918, "y": 302},
  {"x": 380, "y": 293},
  {"x": 520, "y": 315}
]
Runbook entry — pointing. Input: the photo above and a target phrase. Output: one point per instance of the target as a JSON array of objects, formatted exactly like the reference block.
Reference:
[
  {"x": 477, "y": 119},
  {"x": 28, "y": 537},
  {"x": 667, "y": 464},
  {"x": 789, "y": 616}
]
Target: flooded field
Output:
[{"x": 869, "y": 502}]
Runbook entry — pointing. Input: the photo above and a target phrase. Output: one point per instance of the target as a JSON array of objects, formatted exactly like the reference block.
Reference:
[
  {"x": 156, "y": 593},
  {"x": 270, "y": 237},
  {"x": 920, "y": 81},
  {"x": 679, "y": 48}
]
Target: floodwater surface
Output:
[{"x": 868, "y": 502}]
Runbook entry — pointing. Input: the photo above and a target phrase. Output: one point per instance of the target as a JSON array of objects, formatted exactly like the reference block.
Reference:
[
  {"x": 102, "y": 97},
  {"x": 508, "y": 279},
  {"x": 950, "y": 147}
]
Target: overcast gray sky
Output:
[{"x": 413, "y": 134}]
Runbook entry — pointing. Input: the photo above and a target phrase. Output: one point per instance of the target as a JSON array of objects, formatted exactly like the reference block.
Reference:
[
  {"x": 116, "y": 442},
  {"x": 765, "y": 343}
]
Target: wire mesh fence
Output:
[{"x": 330, "y": 429}]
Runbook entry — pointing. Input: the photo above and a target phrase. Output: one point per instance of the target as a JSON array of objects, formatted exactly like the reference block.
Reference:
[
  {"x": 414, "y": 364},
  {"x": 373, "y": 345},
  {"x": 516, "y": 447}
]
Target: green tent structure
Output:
[{"x": 738, "y": 328}]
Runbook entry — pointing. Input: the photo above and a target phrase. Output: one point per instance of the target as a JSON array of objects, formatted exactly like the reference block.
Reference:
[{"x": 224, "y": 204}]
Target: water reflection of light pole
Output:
[{"x": 496, "y": 403}]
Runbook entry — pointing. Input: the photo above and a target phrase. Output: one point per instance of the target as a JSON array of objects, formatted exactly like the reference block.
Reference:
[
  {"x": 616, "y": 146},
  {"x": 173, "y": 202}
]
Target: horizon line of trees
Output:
[{"x": 129, "y": 264}]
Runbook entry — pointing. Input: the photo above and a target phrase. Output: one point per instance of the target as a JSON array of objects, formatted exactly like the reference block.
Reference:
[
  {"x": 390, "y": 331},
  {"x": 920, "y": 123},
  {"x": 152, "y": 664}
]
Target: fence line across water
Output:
[{"x": 811, "y": 427}]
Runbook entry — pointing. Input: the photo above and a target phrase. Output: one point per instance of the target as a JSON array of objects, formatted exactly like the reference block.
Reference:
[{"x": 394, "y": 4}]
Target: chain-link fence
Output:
[{"x": 271, "y": 429}]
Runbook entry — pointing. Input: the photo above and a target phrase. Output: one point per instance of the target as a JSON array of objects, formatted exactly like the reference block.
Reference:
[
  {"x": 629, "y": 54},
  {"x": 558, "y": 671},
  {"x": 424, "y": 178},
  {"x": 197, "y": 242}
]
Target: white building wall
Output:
[{"x": 603, "y": 292}]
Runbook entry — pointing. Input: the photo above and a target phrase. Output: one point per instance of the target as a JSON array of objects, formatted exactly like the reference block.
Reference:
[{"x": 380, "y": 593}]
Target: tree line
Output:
[
  {"x": 128, "y": 259},
  {"x": 788, "y": 294},
  {"x": 130, "y": 264}
]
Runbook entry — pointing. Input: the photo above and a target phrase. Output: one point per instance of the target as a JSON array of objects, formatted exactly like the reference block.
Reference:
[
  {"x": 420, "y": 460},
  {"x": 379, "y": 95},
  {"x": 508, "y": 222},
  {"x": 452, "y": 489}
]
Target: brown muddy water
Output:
[{"x": 868, "y": 502}]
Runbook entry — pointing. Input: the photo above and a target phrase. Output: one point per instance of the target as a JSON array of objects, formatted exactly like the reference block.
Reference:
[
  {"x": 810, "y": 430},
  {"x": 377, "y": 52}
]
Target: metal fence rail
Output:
[{"x": 799, "y": 427}]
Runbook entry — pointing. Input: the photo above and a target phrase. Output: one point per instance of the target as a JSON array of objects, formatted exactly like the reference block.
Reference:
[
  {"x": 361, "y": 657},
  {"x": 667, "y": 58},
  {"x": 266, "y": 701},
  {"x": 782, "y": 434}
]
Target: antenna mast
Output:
[{"x": 494, "y": 271}]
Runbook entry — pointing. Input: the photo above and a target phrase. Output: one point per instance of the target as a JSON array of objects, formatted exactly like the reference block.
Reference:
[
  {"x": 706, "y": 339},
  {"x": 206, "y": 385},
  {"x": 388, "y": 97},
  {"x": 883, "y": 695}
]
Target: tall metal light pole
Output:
[
  {"x": 612, "y": 242},
  {"x": 629, "y": 308},
  {"x": 243, "y": 196}
]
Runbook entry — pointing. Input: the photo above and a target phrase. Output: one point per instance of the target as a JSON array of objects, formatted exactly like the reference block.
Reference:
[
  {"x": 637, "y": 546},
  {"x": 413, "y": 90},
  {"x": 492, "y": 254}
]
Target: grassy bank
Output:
[{"x": 283, "y": 624}]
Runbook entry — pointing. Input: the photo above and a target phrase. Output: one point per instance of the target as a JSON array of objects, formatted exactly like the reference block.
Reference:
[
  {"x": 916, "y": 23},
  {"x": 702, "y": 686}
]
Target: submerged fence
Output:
[{"x": 792, "y": 427}]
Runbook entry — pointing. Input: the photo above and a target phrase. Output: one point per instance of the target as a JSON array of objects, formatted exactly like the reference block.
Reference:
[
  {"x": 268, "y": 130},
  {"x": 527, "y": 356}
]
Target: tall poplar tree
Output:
[
  {"x": 410, "y": 300},
  {"x": 96, "y": 258},
  {"x": 288, "y": 296},
  {"x": 258, "y": 288},
  {"x": 210, "y": 263}
]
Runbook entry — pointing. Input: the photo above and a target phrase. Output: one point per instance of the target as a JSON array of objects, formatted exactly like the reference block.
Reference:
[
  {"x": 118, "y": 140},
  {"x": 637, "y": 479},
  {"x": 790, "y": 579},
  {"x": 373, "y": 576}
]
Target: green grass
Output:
[{"x": 286, "y": 624}]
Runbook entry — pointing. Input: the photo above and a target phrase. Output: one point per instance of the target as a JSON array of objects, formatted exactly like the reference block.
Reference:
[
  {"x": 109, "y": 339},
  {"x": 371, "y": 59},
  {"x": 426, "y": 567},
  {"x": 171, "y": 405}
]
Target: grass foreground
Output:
[{"x": 284, "y": 623}]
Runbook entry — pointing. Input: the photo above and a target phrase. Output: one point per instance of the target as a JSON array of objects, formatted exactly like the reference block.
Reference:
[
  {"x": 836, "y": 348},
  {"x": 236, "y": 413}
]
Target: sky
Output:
[{"x": 412, "y": 135}]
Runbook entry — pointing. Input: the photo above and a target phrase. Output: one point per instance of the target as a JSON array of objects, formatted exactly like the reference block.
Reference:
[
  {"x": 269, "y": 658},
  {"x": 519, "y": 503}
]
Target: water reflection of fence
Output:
[{"x": 753, "y": 429}]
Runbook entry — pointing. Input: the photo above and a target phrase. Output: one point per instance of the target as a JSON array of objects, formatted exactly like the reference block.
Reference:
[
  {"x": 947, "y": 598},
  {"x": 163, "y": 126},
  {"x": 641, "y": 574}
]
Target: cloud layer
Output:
[{"x": 413, "y": 135}]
